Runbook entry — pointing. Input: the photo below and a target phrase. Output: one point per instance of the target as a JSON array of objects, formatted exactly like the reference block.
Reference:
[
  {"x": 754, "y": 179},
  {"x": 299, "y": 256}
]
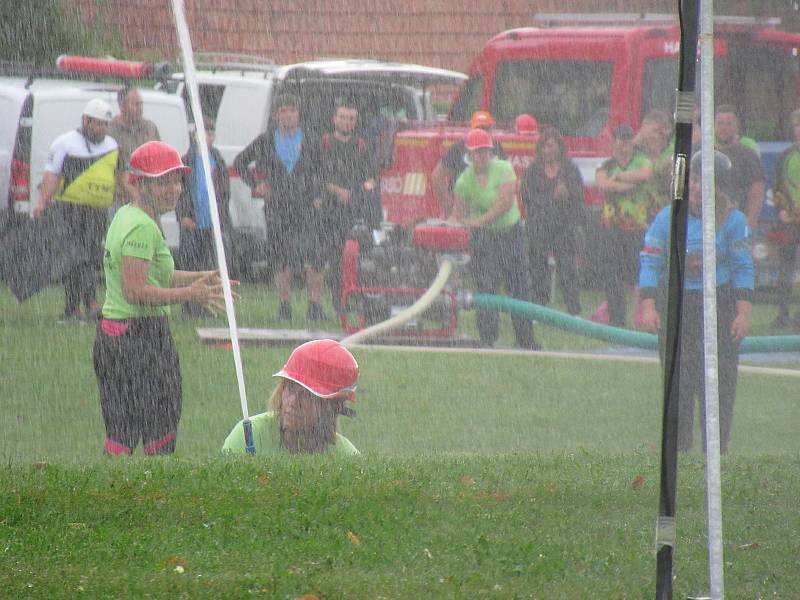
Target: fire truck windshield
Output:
[{"x": 573, "y": 95}]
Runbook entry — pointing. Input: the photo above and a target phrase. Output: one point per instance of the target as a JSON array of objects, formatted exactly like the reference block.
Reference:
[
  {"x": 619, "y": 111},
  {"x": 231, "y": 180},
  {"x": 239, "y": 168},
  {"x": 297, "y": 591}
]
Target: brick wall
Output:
[{"x": 444, "y": 33}]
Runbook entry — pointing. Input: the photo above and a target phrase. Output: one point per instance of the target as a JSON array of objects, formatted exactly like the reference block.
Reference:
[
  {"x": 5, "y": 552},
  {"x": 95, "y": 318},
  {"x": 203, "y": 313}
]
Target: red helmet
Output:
[
  {"x": 478, "y": 138},
  {"x": 154, "y": 159},
  {"x": 481, "y": 118},
  {"x": 324, "y": 367},
  {"x": 526, "y": 125}
]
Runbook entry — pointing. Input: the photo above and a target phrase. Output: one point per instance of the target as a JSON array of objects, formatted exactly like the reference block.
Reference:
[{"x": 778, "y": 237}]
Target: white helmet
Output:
[{"x": 98, "y": 109}]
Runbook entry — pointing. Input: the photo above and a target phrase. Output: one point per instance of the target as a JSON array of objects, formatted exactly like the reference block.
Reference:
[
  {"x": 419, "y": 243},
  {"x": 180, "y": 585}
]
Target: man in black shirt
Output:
[
  {"x": 347, "y": 181},
  {"x": 748, "y": 175}
]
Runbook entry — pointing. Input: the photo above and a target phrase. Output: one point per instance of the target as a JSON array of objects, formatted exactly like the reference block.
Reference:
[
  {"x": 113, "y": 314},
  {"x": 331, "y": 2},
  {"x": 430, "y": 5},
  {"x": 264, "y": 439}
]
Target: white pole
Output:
[
  {"x": 713, "y": 479},
  {"x": 190, "y": 79}
]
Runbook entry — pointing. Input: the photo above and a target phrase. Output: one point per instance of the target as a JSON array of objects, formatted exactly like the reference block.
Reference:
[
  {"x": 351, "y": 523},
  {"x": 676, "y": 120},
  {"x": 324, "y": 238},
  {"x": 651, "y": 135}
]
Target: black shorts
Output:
[
  {"x": 139, "y": 378},
  {"x": 287, "y": 245}
]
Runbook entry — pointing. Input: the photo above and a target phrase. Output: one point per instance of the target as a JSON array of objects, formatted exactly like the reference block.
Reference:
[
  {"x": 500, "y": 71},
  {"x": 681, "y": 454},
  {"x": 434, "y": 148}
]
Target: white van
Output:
[
  {"x": 237, "y": 90},
  {"x": 33, "y": 113}
]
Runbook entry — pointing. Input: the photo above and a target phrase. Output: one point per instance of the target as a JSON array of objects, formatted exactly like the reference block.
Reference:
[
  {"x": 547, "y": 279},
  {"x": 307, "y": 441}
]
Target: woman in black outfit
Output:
[{"x": 552, "y": 190}]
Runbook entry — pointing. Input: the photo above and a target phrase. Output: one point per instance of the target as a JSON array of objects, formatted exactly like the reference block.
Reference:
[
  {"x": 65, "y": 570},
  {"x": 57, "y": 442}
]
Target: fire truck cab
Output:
[{"x": 586, "y": 74}]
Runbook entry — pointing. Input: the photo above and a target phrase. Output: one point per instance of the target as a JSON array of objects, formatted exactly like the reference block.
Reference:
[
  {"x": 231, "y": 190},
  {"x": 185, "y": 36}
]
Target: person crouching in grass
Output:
[{"x": 316, "y": 381}]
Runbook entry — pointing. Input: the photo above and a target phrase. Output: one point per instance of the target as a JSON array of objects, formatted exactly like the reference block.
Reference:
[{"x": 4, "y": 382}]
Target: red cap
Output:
[
  {"x": 154, "y": 159},
  {"x": 526, "y": 125},
  {"x": 324, "y": 367},
  {"x": 478, "y": 138},
  {"x": 481, "y": 118}
]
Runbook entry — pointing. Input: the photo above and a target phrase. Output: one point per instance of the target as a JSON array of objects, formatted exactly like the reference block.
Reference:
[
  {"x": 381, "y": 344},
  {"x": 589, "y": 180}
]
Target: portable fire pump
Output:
[{"x": 385, "y": 273}]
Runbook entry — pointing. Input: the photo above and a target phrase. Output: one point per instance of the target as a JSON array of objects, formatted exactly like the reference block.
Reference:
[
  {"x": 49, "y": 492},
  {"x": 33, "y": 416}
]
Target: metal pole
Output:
[
  {"x": 194, "y": 98},
  {"x": 684, "y": 108},
  {"x": 710, "y": 345}
]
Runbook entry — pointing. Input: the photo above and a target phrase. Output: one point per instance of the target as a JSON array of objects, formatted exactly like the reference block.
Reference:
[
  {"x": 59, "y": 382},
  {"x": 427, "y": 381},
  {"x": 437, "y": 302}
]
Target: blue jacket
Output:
[{"x": 734, "y": 254}]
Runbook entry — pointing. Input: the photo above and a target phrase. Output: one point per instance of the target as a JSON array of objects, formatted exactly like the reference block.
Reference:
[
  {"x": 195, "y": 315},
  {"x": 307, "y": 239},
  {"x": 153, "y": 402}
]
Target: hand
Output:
[
  {"x": 343, "y": 195},
  {"x": 741, "y": 325},
  {"x": 207, "y": 291},
  {"x": 471, "y": 223},
  {"x": 188, "y": 223},
  {"x": 317, "y": 203},
  {"x": 262, "y": 190},
  {"x": 369, "y": 185},
  {"x": 651, "y": 320},
  {"x": 39, "y": 210}
]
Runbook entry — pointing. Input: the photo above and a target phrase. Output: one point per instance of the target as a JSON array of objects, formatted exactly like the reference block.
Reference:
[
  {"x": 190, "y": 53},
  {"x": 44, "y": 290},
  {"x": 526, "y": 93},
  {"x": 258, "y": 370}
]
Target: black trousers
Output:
[
  {"x": 497, "y": 258},
  {"x": 619, "y": 250},
  {"x": 787, "y": 258},
  {"x": 87, "y": 226},
  {"x": 692, "y": 368},
  {"x": 542, "y": 240},
  {"x": 139, "y": 379}
]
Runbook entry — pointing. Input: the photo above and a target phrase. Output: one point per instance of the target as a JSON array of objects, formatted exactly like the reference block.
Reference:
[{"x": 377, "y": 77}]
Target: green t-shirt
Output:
[
  {"x": 267, "y": 438},
  {"x": 788, "y": 181},
  {"x": 749, "y": 142},
  {"x": 480, "y": 199},
  {"x": 133, "y": 233},
  {"x": 628, "y": 210}
]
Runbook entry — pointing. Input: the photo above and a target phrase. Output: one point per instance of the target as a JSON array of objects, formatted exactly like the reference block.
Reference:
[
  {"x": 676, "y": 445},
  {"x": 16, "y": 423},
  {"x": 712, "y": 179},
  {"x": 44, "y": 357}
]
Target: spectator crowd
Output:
[{"x": 530, "y": 236}]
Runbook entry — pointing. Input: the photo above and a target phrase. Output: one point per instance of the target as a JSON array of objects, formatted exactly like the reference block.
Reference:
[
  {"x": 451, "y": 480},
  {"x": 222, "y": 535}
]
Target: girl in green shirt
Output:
[{"x": 135, "y": 359}]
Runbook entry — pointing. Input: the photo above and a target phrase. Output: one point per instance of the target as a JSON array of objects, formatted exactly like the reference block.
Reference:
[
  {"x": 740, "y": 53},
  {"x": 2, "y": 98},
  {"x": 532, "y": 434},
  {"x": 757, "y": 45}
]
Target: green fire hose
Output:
[{"x": 616, "y": 335}]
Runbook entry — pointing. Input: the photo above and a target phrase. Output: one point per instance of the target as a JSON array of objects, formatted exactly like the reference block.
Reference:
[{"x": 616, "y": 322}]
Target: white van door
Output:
[{"x": 242, "y": 115}]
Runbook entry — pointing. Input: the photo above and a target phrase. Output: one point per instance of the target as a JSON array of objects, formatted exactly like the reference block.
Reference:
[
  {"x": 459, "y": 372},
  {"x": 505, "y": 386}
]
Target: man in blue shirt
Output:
[
  {"x": 196, "y": 251},
  {"x": 735, "y": 279},
  {"x": 283, "y": 175}
]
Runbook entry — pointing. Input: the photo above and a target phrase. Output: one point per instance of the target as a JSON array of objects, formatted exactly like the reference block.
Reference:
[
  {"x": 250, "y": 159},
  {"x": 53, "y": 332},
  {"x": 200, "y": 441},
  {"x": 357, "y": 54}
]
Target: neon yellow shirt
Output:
[
  {"x": 133, "y": 233},
  {"x": 480, "y": 199},
  {"x": 267, "y": 438},
  {"x": 628, "y": 210}
]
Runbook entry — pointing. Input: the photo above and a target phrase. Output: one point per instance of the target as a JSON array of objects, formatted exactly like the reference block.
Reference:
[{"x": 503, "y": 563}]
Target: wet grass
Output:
[
  {"x": 482, "y": 476},
  {"x": 548, "y": 526}
]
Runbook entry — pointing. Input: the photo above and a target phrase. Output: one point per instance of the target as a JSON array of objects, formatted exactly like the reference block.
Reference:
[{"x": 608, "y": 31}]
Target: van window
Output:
[
  {"x": 241, "y": 116},
  {"x": 9, "y": 108},
  {"x": 572, "y": 95},
  {"x": 171, "y": 120},
  {"x": 762, "y": 84},
  {"x": 469, "y": 100},
  {"x": 658, "y": 86}
]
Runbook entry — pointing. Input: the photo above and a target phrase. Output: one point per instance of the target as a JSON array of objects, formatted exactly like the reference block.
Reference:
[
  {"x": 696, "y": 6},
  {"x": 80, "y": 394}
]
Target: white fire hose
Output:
[{"x": 423, "y": 302}]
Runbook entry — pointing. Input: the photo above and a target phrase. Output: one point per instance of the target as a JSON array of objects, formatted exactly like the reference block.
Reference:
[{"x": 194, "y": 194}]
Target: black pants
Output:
[
  {"x": 498, "y": 257},
  {"x": 542, "y": 240},
  {"x": 786, "y": 255},
  {"x": 196, "y": 253},
  {"x": 87, "y": 226},
  {"x": 692, "y": 371},
  {"x": 139, "y": 379},
  {"x": 619, "y": 265},
  {"x": 333, "y": 234}
]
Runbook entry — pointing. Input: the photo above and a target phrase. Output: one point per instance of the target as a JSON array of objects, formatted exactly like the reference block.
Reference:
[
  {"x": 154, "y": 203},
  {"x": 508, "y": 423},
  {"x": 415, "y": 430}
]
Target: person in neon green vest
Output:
[
  {"x": 787, "y": 200},
  {"x": 79, "y": 181}
]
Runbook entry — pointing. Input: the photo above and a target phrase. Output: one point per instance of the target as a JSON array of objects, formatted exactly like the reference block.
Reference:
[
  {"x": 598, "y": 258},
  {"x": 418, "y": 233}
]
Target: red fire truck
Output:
[{"x": 586, "y": 74}]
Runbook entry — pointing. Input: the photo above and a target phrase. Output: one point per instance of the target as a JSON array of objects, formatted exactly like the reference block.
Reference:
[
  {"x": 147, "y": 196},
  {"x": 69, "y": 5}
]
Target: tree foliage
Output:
[{"x": 38, "y": 31}]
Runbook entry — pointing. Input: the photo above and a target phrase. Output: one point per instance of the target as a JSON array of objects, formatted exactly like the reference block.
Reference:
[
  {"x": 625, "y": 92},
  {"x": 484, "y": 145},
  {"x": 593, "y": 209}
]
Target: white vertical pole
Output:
[
  {"x": 190, "y": 79},
  {"x": 713, "y": 479}
]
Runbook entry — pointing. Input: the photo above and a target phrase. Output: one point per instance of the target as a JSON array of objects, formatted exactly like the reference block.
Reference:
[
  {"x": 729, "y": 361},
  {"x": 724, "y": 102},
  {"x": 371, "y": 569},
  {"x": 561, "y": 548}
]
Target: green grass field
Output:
[{"x": 482, "y": 475}]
